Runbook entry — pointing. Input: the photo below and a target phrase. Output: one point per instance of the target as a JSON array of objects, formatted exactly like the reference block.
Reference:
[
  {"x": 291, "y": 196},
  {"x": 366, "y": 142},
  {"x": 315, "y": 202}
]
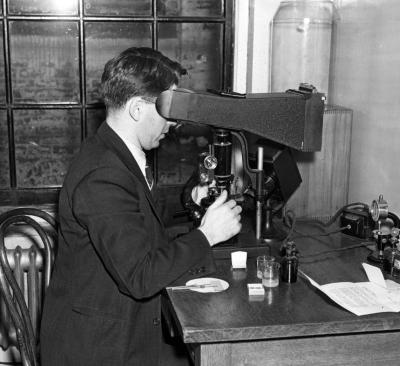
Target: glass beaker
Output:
[
  {"x": 262, "y": 262},
  {"x": 301, "y": 32},
  {"x": 270, "y": 275}
]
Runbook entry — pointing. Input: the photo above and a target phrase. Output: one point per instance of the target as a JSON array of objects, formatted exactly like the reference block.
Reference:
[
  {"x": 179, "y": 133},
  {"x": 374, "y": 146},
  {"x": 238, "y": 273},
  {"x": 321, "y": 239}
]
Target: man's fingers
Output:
[
  {"x": 232, "y": 203},
  {"x": 220, "y": 200}
]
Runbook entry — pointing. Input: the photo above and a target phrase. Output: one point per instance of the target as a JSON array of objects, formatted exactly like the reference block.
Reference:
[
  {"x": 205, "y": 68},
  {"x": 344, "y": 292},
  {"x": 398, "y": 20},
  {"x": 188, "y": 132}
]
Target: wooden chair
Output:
[{"x": 24, "y": 277}]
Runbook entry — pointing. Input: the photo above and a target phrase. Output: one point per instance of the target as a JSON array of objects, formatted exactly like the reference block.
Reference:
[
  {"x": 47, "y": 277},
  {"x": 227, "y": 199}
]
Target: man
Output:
[{"x": 114, "y": 256}]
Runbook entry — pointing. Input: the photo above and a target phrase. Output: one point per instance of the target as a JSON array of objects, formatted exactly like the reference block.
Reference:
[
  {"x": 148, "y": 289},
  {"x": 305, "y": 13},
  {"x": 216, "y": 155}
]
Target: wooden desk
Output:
[{"x": 294, "y": 324}]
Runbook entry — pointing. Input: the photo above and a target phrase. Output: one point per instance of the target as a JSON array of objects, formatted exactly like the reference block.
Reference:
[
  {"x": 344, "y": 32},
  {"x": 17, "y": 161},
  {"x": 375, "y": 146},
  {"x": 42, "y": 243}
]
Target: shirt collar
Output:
[{"x": 137, "y": 153}]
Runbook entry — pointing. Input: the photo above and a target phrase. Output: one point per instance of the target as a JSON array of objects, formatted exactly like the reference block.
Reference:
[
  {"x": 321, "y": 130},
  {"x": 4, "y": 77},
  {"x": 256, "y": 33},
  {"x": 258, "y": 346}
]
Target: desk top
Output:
[{"x": 290, "y": 310}]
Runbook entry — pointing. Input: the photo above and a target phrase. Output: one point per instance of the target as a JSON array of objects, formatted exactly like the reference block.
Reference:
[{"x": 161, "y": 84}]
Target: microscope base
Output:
[
  {"x": 380, "y": 262},
  {"x": 374, "y": 258},
  {"x": 246, "y": 241},
  {"x": 273, "y": 235}
]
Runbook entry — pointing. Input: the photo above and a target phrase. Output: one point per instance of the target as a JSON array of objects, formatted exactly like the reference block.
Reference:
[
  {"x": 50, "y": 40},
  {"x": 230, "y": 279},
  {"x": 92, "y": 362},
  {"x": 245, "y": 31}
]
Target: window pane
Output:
[
  {"x": 189, "y": 8},
  {"x": 94, "y": 118},
  {"x": 2, "y": 70},
  {"x": 43, "y": 6},
  {"x": 117, "y": 7},
  {"x": 4, "y": 163},
  {"x": 45, "y": 143},
  {"x": 44, "y": 61},
  {"x": 178, "y": 153},
  {"x": 201, "y": 56},
  {"x": 106, "y": 40}
]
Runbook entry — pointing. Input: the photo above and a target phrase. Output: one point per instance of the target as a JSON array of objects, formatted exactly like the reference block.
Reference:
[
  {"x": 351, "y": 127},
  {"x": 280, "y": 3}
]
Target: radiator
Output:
[
  {"x": 325, "y": 173},
  {"x": 27, "y": 266}
]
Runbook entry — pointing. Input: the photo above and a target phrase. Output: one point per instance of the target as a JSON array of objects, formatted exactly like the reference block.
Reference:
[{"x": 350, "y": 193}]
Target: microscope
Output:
[{"x": 250, "y": 156}]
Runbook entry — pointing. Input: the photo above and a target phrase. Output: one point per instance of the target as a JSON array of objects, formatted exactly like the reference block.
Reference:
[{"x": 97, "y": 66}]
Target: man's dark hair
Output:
[{"x": 138, "y": 71}]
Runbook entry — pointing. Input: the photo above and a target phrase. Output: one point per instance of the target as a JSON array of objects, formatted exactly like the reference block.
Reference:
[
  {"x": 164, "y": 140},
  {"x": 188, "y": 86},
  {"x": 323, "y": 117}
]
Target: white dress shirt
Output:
[{"x": 138, "y": 155}]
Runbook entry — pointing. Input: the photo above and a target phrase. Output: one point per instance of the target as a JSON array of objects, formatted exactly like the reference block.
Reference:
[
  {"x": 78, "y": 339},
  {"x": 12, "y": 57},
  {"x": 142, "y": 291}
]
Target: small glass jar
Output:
[{"x": 262, "y": 262}]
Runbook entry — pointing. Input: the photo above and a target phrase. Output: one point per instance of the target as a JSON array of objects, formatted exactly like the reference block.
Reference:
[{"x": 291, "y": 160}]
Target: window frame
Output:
[{"x": 14, "y": 196}]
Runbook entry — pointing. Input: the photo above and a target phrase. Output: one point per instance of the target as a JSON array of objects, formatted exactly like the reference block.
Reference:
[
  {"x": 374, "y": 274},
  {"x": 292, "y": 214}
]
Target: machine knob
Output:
[{"x": 379, "y": 209}]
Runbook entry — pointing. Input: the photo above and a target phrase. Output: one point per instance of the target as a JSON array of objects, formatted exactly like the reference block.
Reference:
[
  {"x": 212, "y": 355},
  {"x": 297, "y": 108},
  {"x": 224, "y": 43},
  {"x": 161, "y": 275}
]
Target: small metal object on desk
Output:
[
  {"x": 290, "y": 263},
  {"x": 184, "y": 287}
]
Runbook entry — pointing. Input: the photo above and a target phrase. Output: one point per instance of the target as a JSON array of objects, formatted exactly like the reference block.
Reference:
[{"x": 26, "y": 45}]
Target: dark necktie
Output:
[{"x": 149, "y": 177}]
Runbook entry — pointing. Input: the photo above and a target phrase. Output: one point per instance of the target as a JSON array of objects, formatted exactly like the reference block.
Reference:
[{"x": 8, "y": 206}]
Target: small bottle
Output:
[
  {"x": 290, "y": 263},
  {"x": 396, "y": 262}
]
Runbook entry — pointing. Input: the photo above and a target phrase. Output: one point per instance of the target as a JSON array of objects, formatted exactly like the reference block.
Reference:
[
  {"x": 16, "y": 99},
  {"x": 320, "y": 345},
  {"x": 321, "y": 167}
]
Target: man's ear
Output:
[{"x": 135, "y": 108}]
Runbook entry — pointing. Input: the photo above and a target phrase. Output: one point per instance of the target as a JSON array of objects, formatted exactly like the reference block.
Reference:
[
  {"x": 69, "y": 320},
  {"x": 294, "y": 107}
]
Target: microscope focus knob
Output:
[{"x": 210, "y": 162}]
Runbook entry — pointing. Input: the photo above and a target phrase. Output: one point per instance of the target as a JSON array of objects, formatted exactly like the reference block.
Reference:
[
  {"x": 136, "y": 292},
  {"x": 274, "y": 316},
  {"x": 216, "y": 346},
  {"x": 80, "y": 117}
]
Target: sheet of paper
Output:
[
  {"x": 392, "y": 286},
  {"x": 362, "y": 298},
  {"x": 374, "y": 274},
  {"x": 394, "y": 291}
]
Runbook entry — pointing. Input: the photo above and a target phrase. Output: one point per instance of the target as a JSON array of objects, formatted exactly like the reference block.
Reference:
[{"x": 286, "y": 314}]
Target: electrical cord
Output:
[
  {"x": 338, "y": 212},
  {"x": 325, "y": 252},
  {"x": 290, "y": 221},
  {"x": 326, "y": 233}
]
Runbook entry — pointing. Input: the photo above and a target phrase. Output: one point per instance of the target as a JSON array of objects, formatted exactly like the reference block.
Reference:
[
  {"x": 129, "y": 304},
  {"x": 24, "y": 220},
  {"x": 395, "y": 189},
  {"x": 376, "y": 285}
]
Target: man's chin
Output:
[
  {"x": 153, "y": 145},
  {"x": 158, "y": 141}
]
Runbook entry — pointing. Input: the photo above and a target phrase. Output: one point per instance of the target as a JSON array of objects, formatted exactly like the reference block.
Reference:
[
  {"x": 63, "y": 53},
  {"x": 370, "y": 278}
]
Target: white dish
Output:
[{"x": 210, "y": 285}]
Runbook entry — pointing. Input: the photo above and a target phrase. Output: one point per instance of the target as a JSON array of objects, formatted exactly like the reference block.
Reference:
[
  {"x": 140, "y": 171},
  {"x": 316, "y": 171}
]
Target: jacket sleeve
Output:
[{"x": 111, "y": 204}]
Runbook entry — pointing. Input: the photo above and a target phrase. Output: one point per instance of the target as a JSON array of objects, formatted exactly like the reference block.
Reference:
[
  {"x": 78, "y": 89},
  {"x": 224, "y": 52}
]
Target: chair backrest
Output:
[{"x": 24, "y": 277}]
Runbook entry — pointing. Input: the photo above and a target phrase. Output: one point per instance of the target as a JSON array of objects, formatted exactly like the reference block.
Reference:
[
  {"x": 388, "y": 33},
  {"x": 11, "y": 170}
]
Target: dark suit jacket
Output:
[{"x": 114, "y": 258}]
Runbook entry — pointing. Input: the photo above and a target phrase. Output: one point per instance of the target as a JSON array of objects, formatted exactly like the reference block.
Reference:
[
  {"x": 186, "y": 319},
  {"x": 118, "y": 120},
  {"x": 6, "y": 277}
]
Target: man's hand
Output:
[{"x": 221, "y": 220}]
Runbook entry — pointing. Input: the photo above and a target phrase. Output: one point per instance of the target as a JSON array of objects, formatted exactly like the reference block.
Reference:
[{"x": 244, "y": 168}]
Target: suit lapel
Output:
[{"x": 114, "y": 143}]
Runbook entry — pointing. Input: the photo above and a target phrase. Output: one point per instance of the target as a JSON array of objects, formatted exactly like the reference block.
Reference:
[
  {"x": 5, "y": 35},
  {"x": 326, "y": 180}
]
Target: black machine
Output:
[
  {"x": 250, "y": 155},
  {"x": 386, "y": 233}
]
